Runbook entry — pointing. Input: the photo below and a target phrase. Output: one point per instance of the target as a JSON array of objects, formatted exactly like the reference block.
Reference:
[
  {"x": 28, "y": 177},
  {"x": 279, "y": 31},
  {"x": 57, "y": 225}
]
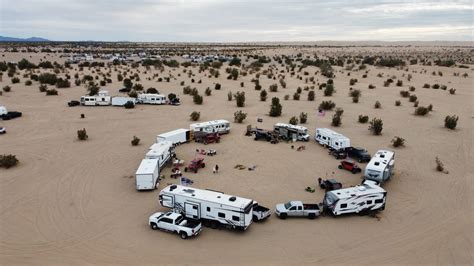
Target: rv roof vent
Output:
[
  {"x": 232, "y": 198},
  {"x": 353, "y": 195},
  {"x": 218, "y": 197},
  {"x": 191, "y": 191},
  {"x": 173, "y": 187},
  {"x": 382, "y": 155}
]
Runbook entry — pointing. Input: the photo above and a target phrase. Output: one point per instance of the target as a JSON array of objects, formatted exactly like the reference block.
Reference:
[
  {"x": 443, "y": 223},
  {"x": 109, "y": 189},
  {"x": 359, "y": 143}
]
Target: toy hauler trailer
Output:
[
  {"x": 380, "y": 167},
  {"x": 121, "y": 101},
  {"x": 211, "y": 207},
  {"x": 146, "y": 177},
  {"x": 177, "y": 136}
]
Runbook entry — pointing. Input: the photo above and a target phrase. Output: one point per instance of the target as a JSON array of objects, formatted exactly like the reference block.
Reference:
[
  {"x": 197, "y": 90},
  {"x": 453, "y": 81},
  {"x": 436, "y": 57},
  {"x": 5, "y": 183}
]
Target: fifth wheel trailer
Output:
[
  {"x": 213, "y": 208},
  {"x": 146, "y": 177},
  {"x": 380, "y": 167}
]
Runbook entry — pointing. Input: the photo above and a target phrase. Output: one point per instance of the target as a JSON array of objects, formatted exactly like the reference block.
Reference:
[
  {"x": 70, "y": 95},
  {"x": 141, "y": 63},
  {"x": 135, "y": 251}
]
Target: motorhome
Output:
[
  {"x": 331, "y": 139},
  {"x": 215, "y": 126},
  {"x": 365, "y": 198},
  {"x": 146, "y": 176},
  {"x": 163, "y": 151},
  {"x": 102, "y": 98},
  {"x": 121, "y": 101},
  {"x": 149, "y": 98},
  {"x": 213, "y": 208},
  {"x": 291, "y": 132},
  {"x": 177, "y": 136},
  {"x": 380, "y": 167}
]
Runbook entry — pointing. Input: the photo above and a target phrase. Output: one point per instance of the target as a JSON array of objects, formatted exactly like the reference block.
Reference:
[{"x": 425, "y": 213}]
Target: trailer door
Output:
[{"x": 192, "y": 210}]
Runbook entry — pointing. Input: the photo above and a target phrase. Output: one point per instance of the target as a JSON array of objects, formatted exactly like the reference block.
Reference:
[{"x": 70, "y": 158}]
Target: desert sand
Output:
[{"x": 75, "y": 202}]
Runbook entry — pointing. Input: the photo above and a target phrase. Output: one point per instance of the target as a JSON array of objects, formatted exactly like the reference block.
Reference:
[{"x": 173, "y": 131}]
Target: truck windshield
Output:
[
  {"x": 287, "y": 205},
  {"x": 330, "y": 199}
]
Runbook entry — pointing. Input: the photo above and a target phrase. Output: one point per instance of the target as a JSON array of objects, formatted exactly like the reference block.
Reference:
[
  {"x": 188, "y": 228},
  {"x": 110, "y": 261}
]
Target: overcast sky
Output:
[{"x": 238, "y": 20}]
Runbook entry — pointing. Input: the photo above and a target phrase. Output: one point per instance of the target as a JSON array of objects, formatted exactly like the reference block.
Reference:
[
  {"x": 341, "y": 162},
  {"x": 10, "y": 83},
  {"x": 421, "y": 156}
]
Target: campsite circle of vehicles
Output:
[{"x": 216, "y": 209}]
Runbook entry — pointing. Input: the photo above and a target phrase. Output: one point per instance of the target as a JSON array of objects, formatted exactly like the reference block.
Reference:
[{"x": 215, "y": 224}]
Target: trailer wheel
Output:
[
  {"x": 340, "y": 166},
  {"x": 154, "y": 226},
  {"x": 183, "y": 235}
]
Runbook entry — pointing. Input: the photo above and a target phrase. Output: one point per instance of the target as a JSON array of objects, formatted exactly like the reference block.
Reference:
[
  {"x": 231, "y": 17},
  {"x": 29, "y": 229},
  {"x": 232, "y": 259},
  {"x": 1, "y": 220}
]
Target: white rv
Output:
[
  {"x": 102, "y": 98},
  {"x": 211, "y": 207},
  {"x": 177, "y": 136},
  {"x": 146, "y": 177},
  {"x": 149, "y": 98},
  {"x": 121, "y": 101},
  {"x": 332, "y": 139},
  {"x": 3, "y": 110},
  {"x": 162, "y": 151},
  {"x": 364, "y": 198},
  {"x": 380, "y": 167},
  {"x": 220, "y": 126},
  {"x": 291, "y": 132}
]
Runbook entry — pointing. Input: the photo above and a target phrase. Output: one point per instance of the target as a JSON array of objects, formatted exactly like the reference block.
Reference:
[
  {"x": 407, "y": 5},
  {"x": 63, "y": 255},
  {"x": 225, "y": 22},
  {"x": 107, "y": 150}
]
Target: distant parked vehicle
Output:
[
  {"x": 359, "y": 154},
  {"x": 177, "y": 136},
  {"x": 329, "y": 184},
  {"x": 291, "y": 132},
  {"x": 3, "y": 130},
  {"x": 381, "y": 166},
  {"x": 220, "y": 126},
  {"x": 10, "y": 115},
  {"x": 195, "y": 165},
  {"x": 338, "y": 154},
  {"x": 206, "y": 138},
  {"x": 297, "y": 208},
  {"x": 331, "y": 139},
  {"x": 260, "y": 213},
  {"x": 175, "y": 102},
  {"x": 175, "y": 223},
  {"x": 73, "y": 103},
  {"x": 350, "y": 166}
]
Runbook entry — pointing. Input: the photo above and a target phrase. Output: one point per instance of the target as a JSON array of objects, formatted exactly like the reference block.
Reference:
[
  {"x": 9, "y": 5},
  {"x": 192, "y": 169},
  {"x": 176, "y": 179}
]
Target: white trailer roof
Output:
[
  {"x": 360, "y": 190},
  {"x": 380, "y": 160},
  {"x": 208, "y": 195},
  {"x": 330, "y": 132},
  {"x": 297, "y": 127},
  {"x": 210, "y": 123},
  {"x": 161, "y": 147},
  {"x": 147, "y": 166},
  {"x": 172, "y": 133}
]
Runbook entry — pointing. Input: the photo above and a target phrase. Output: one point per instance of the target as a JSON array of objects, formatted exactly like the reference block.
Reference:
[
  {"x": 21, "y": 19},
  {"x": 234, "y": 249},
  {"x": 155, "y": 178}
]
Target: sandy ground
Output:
[{"x": 75, "y": 202}]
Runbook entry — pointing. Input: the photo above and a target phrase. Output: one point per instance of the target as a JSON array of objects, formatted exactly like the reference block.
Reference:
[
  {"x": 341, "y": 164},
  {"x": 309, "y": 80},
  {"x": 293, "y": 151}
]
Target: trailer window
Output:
[
  {"x": 378, "y": 200},
  {"x": 236, "y": 218},
  {"x": 248, "y": 208},
  {"x": 344, "y": 205},
  {"x": 221, "y": 215},
  {"x": 369, "y": 202},
  {"x": 208, "y": 209}
]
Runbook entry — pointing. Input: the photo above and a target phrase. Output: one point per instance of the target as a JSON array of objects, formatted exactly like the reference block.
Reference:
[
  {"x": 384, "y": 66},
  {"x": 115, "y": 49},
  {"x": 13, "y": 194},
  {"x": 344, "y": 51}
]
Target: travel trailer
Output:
[
  {"x": 362, "y": 199},
  {"x": 332, "y": 139},
  {"x": 102, "y": 98},
  {"x": 216, "y": 126},
  {"x": 121, "y": 101},
  {"x": 177, "y": 136},
  {"x": 211, "y": 207},
  {"x": 291, "y": 132},
  {"x": 380, "y": 167},
  {"x": 162, "y": 151},
  {"x": 146, "y": 176},
  {"x": 148, "y": 98}
]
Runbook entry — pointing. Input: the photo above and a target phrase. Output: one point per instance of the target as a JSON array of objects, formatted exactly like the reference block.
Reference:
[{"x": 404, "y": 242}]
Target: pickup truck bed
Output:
[{"x": 310, "y": 206}]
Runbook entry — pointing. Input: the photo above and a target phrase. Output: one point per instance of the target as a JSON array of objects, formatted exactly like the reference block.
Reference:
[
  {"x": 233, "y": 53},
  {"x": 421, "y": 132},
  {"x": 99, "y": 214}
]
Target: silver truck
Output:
[
  {"x": 174, "y": 222},
  {"x": 297, "y": 208}
]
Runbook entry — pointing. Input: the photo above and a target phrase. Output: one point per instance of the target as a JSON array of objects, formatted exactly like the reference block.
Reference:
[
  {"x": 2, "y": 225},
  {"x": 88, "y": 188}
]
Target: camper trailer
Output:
[
  {"x": 211, "y": 207},
  {"x": 162, "y": 151},
  {"x": 176, "y": 137},
  {"x": 291, "y": 132},
  {"x": 146, "y": 177},
  {"x": 380, "y": 167},
  {"x": 148, "y": 98},
  {"x": 365, "y": 198},
  {"x": 216, "y": 126},
  {"x": 121, "y": 101},
  {"x": 331, "y": 139},
  {"x": 102, "y": 98}
]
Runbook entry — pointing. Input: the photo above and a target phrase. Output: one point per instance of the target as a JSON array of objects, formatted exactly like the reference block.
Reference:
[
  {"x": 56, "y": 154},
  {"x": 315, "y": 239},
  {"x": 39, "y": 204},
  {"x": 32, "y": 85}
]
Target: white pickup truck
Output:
[
  {"x": 174, "y": 222},
  {"x": 297, "y": 208},
  {"x": 260, "y": 213}
]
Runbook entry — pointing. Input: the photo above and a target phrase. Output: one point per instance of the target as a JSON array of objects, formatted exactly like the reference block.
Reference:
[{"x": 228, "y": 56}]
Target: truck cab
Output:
[
  {"x": 297, "y": 208},
  {"x": 174, "y": 222}
]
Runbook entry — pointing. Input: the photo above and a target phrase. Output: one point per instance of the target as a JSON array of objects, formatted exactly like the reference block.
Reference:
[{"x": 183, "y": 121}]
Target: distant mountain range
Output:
[{"x": 31, "y": 39}]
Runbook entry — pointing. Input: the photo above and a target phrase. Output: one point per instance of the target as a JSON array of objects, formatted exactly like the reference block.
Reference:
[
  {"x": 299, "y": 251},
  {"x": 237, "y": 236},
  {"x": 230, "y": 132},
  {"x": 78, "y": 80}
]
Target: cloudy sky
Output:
[{"x": 237, "y": 20}]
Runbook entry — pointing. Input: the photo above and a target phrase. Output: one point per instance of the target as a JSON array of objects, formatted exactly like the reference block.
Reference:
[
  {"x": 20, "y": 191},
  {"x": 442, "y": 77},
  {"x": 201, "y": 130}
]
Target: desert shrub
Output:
[
  {"x": 286, "y": 97},
  {"x": 371, "y": 86},
  {"x": 258, "y": 86},
  {"x": 239, "y": 116},
  {"x": 440, "y": 166},
  {"x": 399, "y": 83},
  {"x": 7, "y": 88},
  {"x": 352, "y": 82},
  {"x": 171, "y": 97},
  {"x": 296, "y": 96},
  {"x": 336, "y": 120},
  {"x": 187, "y": 90},
  {"x": 152, "y": 90},
  {"x": 311, "y": 95},
  {"x": 421, "y": 111},
  {"x": 15, "y": 80},
  {"x": 283, "y": 83},
  {"x": 443, "y": 87},
  {"x": 229, "y": 96},
  {"x": 135, "y": 141},
  {"x": 48, "y": 78},
  {"x": 119, "y": 77},
  {"x": 273, "y": 88},
  {"x": 7, "y": 161},
  {"x": 451, "y": 121},
  {"x": 405, "y": 94},
  {"x": 426, "y": 86},
  {"x": 293, "y": 120},
  {"x": 217, "y": 86},
  {"x": 28, "y": 83},
  {"x": 51, "y": 92},
  {"x": 376, "y": 126},
  {"x": 208, "y": 91},
  {"x": 412, "y": 88},
  {"x": 355, "y": 99},
  {"x": 77, "y": 82},
  {"x": 195, "y": 116},
  {"x": 377, "y": 105},
  {"x": 129, "y": 105},
  {"x": 355, "y": 93},
  {"x": 43, "y": 88},
  {"x": 413, "y": 98},
  {"x": 133, "y": 94},
  {"x": 398, "y": 141},
  {"x": 303, "y": 117},
  {"x": 63, "y": 83},
  {"x": 435, "y": 86},
  {"x": 263, "y": 95},
  {"x": 398, "y": 103},
  {"x": 329, "y": 90},
  {"x": 363, "y": 119},
  {"x": 430, "y": 108},
  {"x": 327, "y": 105},
  {"x": 82, "y": 134},
  {"x": 452, "y": 91},
  {"x": 240, "y": 98},
  {"x": 197, "y": 99},
  {"x": 276, "y": 107}
]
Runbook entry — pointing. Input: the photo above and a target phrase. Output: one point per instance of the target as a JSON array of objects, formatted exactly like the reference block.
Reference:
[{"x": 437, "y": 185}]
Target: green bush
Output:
[
  {"x": 376, "y": 126},
  {"x": 451, "y": 121},
  {"x": 327, "y": 105},
  {"x": 63, "y": 83},
  {"x": 377, "y": 105},
  {"x": 240, "y": 98},
  {"x": 296, "y": 96},
  {"x": 303, "y": 117},
  {"x": 15, "y": 80},
  {"x": 452, "y": 91},
  {"x": 197, "y": 99},
  {"x": 217, "y": 86},
  {"x": 47, "y": 78},
  {"x": 7, "y": 161},
  {"x": 43, "y": 88},
  {"x": 28, "y": 83},
  {"x": 276, "y": 107},
  {"x": 195, "y": 116},
  {"x": 398, "y": 103},
  {"x": 273, "y": 88},
  {"x": 329, "y": 90},
  {"x": 293, "y": 120},
  {"x": 135, "y": 141},
  {"x": 263, "y": 95},
  {"x": 7, "y": 88},
  {"x": 421, "y": 111},
  {"x": 152, "y": 91},
  {"x": 50, "y": 92},
  {"x": 398, "y": 141},
  {"x": 239, "y": 116},
  {"x": 363, "y": 119},
  {"x": 133, "y": 94},
  {"x": 82, "y": 134},
  {"x": 336, "y": 120},
  {"x": 229, "y": 96},
  {"x": 208, "y": 91},
  {"x": 311, "y": 95}
]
